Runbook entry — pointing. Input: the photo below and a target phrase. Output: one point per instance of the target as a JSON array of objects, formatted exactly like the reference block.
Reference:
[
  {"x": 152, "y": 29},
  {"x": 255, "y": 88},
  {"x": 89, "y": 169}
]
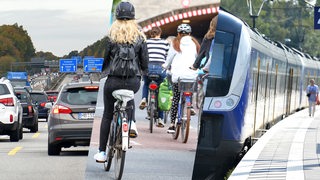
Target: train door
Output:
[{"x": 289, "y": 92}]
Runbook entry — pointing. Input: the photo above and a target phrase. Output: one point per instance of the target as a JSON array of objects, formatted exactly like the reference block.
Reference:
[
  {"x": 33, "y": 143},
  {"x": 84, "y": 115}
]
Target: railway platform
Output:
[{"x": 290, "y": 150}]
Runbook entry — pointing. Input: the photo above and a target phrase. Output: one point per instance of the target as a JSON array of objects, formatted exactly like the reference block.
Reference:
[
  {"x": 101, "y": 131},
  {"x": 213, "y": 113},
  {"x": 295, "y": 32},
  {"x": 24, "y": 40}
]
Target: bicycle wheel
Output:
[
  {"x": 185, "y": 125},
  {"x": 178, "y": 121},
  {"x": 119, "y": 161},
  {"x": 110, "y": 152},
  {"x": 119, "y": 154}
]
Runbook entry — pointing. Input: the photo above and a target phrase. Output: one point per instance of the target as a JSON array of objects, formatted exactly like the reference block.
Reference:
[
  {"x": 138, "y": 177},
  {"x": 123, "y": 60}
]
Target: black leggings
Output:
[
  {"x": 175, "y": 102},
  {"x": 114, "y": 83}
]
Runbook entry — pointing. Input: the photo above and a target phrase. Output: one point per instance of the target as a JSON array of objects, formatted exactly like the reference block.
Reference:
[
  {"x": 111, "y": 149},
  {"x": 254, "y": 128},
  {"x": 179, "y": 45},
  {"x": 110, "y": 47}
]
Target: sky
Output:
[{"x": 58, "y": 26}]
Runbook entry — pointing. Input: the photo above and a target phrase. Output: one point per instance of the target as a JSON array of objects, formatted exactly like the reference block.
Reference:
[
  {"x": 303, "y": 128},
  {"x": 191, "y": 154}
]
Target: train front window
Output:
[{"x": 222, "y": 66}]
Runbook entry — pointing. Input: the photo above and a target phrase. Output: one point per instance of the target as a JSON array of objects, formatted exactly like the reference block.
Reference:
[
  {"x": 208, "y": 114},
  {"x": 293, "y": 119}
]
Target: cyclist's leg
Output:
[
  {"x": 174, "y": 107},
  {"x": 145, "y": 91},
  {"x": 105, "y": 121}
]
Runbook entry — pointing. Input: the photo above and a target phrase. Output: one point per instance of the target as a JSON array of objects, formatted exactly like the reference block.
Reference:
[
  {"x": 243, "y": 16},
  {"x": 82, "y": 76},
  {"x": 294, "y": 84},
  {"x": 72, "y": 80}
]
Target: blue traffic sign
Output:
[
  {"x": 92, "y": 64},
  {"x": 68, "y": 65},
  {"x": 316, "y": 17}
]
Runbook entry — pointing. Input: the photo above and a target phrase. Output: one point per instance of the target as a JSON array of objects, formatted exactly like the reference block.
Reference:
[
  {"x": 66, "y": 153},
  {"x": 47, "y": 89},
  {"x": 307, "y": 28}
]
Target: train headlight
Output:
[
  {"x": 217, "y": 104},
  {"x": 230, "y": 102}
]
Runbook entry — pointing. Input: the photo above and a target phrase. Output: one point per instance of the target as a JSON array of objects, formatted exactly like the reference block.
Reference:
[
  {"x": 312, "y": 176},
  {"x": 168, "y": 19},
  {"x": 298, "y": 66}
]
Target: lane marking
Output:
[
  {"x": 135, "y": 143},
  {"x": 36, "y": 135},
  {"x": 14, "y": 151}
]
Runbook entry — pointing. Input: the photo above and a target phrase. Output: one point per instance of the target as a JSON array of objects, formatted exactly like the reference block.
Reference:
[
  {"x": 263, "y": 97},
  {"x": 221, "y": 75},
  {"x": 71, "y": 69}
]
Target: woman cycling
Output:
[
  {"x": 181, "y": 56},
  {"x": 157, "y": 49},
  {"x": 123, "y": 31}
]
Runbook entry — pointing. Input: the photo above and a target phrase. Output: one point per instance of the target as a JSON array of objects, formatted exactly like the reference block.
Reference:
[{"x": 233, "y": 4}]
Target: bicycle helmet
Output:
[
  {"x": 125, "y": 11},
  {"x": 184, "y": 29}
]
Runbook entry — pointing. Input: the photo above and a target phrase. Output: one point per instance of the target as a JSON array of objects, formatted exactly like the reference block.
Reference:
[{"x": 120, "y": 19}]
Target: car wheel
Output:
[
  {"x": 21, "y": 132},
  {"x": 15, "y": 135},
  {"x": 53, "y": 149},
  {"x": 35, "y": 127}
]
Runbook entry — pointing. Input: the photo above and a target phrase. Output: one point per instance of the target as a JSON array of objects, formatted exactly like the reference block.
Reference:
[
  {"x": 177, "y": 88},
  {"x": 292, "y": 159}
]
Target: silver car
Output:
[{"x": 71, "y": 116}]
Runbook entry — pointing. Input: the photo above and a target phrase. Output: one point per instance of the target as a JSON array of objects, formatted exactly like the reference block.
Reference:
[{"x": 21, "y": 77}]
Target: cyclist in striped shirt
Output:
[{"x": 157, "y": 50}]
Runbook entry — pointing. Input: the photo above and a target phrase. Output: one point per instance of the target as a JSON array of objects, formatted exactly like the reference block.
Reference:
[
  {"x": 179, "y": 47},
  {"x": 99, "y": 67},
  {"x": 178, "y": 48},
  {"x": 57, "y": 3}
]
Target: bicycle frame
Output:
[
  {"x": 153, "y": 100},
  {"x": 184, "y": 109},
  {"x": 119, "y": 132}
]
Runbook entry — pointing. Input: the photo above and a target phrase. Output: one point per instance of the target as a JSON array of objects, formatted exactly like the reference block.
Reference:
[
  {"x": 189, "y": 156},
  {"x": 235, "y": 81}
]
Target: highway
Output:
[{"x": 153, "y": 156}]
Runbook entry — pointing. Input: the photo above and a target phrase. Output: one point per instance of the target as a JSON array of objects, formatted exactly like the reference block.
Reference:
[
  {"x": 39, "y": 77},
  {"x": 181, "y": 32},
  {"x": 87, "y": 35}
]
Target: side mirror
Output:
[{"x": 48, "y": 105}]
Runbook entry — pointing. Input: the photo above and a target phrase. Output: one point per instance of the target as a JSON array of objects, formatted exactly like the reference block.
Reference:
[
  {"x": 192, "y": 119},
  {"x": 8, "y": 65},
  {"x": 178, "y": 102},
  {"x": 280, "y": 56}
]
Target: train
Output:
[{"x": 253, "y": 83}]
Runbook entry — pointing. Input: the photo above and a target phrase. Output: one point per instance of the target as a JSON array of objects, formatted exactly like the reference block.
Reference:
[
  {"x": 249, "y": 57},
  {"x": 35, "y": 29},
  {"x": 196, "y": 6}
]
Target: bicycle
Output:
[
  {"x": 187, "y": 87},
  {"x": 119, "y": 132},
  {"x": 152, "y": 108}
]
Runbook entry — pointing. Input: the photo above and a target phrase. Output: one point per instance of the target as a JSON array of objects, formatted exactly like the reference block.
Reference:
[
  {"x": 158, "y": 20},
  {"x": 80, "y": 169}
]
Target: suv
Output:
[
  {"x": 71, "y": 117},
  {"x": 10, "y": 112},
  {"x": 30, "y": 111},
  {"x": 40, "y": 98}
]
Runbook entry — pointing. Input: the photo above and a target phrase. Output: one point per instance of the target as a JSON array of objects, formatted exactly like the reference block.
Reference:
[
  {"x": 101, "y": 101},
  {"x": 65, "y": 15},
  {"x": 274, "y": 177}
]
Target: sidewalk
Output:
[{"x": 289, "y": 150}]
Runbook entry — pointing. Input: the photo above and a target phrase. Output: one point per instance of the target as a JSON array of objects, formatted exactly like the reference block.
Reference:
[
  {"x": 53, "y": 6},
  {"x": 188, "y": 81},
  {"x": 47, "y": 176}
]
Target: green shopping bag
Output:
[{"x": 165, "y": 96}]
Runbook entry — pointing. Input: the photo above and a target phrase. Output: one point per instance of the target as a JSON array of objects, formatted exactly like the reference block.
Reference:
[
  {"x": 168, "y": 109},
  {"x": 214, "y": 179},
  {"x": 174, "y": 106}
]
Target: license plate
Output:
[{"x": 86, "y": 115}]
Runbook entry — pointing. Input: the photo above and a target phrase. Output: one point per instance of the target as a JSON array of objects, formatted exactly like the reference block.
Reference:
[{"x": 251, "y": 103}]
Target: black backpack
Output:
[{"x": 124, "y": 62}]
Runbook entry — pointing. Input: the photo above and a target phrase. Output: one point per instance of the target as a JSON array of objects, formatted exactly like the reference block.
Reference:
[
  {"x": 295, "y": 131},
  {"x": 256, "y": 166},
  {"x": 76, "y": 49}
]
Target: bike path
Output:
[{"x": 154, "y": 156}]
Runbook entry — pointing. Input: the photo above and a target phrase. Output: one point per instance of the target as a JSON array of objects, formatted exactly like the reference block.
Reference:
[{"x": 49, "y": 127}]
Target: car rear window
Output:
[
  {"x": 4, "y": 89},
  {"x": 22, "y": 96},
  {"x": 39, "y": 97},
  {"x": 80, "y": 96}
]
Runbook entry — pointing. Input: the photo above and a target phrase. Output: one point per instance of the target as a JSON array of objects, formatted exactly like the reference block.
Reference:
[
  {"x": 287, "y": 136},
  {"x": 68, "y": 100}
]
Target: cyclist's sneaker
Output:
[
  {"x": 100, "y": 157},
  {"x": 133, "y": 133},
  {"x": 160, "y": 123},
  {"x": 143, "y": 103},
  {"x": 192, "y": 112},
  {"x": 171, "y": 130}
]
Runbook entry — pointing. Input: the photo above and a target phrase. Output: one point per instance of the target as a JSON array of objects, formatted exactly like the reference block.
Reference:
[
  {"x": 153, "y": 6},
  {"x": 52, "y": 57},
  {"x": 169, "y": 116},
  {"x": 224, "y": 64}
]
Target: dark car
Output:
[
  {"x": 40, "y": 98},
  {"x": 52, "y": 95},
  {"x": 30, "y": 111},
  {"x": 71, "y": 117}
]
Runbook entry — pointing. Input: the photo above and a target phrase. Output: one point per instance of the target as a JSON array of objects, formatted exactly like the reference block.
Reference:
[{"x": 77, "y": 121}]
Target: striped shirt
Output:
[{"x": 157, "y": 49}]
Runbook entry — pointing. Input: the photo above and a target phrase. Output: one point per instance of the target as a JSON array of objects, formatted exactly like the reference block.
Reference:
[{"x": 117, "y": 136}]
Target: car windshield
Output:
[
  {"x": 4, "y": 90},
  {"x": 80, "y": 96},
  {"x": 38, "y": 97}
]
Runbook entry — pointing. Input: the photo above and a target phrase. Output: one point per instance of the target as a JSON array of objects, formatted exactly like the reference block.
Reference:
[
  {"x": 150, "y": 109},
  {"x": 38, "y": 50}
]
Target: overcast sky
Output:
[{"x": 58, "y": 26}]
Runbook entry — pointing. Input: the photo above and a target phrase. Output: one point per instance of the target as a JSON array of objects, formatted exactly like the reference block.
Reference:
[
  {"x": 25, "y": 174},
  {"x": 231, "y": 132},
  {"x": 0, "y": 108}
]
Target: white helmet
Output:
[{"x": 184, "y": 29}]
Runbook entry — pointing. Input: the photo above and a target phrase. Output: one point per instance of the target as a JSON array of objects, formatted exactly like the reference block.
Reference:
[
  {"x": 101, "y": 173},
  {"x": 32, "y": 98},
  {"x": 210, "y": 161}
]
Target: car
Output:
[
  {"x": 52, "y": 95},
  {"x": 40, "y": 98},
  {"x": 10, "y": 112},
  {"x": 71, "y": 116},
  {"x": 85, "y": 77},
  {"x": 30, "y": 110}
]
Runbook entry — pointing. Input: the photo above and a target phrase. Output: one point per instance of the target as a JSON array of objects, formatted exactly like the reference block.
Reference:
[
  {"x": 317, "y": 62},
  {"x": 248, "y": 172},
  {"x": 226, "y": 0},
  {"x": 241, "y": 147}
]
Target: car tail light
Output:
[
  {"x": 11, "y": 118},
  {"x": 153, "y": 86},
  {"x": 30, "y": 109},
  {"x": 91, "y": 87},
  {"x": 59, "y": 109},
  {"x": 43, "y": 104},
  {"x": 7, "y": 101}
]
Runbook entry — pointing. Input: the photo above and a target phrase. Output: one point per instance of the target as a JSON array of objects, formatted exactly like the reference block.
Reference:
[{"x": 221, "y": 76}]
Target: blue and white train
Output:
[{"x": 253, "y": 83}]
